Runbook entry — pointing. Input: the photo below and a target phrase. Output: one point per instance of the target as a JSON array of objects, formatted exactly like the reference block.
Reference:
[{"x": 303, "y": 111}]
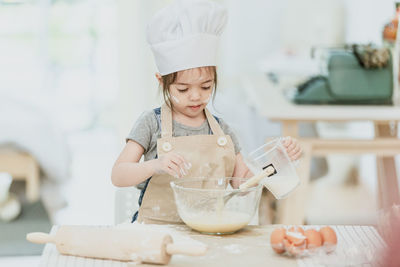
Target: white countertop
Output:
[{"x": 249, "y": 247}]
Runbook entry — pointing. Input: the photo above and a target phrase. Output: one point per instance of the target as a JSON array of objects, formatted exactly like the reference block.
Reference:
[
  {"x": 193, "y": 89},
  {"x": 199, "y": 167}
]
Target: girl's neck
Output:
[{"x": 189, "y": 121}]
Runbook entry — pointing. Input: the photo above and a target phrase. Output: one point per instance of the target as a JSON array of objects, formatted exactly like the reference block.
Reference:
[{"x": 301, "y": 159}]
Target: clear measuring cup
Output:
[{"x": 285, "y": 180}]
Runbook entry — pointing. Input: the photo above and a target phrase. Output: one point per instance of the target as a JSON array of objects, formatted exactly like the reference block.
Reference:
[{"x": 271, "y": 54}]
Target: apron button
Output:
[
  {"x": 167, "y": 147},
  {"x": 222, "y": 141}
]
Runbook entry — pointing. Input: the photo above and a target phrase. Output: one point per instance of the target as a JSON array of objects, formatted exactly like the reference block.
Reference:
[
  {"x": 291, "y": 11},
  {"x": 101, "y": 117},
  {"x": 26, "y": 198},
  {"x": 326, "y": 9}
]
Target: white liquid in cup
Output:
[{"x": 281, "y": 186}]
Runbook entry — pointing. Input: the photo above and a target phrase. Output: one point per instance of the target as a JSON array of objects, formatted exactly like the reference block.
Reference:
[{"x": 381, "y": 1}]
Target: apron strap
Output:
[
  {"x": 166, "y": 122},
  {"x": 214, "y": 125}
]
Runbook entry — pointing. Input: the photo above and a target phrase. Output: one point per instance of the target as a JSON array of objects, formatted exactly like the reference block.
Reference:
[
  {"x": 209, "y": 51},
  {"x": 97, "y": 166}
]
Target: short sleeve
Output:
[
  {"x": 143, "y": 129},
  {"x": 229, "y": 131}
]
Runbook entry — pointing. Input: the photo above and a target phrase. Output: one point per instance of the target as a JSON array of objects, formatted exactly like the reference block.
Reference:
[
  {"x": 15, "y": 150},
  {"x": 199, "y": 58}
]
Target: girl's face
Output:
[{"x": 191, "y": 91}]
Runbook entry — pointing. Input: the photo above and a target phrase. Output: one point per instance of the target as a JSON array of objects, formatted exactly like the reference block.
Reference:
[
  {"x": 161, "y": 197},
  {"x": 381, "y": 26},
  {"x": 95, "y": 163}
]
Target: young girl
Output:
[{"x": 181, "y": 139}]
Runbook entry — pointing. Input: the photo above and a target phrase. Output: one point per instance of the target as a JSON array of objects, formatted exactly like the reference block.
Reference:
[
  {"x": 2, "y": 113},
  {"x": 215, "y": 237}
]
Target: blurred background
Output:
[{"x": 76, "y": 74}]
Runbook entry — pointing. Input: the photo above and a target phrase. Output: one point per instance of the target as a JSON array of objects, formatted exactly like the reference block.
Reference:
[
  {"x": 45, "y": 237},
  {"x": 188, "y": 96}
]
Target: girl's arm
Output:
[
  {"x": 241, "y": 169},
  {"x": 128, "y": 171}
]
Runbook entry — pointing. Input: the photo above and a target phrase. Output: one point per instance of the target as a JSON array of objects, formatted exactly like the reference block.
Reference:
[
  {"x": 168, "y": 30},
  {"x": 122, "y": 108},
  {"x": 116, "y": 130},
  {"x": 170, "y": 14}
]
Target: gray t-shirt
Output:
[{"x": 147, "y": 130}]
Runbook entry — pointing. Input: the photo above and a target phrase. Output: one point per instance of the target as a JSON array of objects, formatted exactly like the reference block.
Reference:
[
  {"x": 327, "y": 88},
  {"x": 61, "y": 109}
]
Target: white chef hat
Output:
[{"x": 185, "y": 35}]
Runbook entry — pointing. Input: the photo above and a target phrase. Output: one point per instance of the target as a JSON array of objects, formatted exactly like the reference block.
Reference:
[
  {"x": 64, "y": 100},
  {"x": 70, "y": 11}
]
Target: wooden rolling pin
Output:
[{"x": 116, "y": 244}]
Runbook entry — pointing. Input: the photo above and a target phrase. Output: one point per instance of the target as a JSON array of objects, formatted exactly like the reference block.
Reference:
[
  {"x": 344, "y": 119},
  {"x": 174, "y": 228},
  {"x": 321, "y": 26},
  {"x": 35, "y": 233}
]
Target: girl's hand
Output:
[
  {"x": 293, "y": 148},
  {"x": 173, "y": 164}
]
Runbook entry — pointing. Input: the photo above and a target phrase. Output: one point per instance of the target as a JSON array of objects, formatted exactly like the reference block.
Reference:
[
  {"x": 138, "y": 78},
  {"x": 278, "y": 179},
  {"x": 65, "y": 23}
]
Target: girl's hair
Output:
[{"x": 169, "y": 79}]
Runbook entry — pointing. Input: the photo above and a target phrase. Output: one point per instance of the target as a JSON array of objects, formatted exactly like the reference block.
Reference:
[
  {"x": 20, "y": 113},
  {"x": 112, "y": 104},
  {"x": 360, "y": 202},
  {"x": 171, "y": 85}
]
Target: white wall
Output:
[
  {"x": 366, "y": 18},
  {"x": 251, "y": 33},
  {"x": 138, "y": 86}
]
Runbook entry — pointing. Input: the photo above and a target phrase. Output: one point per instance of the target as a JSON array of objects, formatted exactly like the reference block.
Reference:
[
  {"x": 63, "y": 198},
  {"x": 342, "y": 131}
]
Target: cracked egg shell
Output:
[
  {"x": 295, "y": 238},
  {"x": 296, "y": 229}
]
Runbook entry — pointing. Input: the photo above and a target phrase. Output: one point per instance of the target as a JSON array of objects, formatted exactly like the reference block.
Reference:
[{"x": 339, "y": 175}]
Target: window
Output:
[{"x": 61, "y": 56}]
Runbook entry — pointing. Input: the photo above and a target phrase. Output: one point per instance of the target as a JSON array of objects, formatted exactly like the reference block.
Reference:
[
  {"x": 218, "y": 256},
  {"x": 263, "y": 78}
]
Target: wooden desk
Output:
[
  {"x": 271, "y": 103},
  {"x": 249, "y": 247}
]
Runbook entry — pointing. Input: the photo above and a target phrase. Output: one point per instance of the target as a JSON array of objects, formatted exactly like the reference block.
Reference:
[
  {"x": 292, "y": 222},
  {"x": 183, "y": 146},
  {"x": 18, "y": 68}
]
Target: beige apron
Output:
[{"x": 211, "y": 156}]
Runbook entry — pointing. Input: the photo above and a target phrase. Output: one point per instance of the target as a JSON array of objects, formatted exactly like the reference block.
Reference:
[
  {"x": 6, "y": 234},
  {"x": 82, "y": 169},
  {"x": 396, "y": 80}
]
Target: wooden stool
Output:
[{"x": 22, "y": 166}]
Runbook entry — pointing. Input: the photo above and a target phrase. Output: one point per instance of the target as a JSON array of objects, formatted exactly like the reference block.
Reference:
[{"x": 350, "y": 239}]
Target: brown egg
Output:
[
  {"x": 295, "y": 235},
  {"x": 329, "y": 238},
  {"x": 276, "y": 239},
  {"x": 295, "y": 238},
  {"x": 314, "y": 239}
]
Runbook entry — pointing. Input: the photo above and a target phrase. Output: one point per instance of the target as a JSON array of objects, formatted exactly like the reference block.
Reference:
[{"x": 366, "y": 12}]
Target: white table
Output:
[
  {"x": 271, "y": 103},
  {"x": 249, "y": 247}
]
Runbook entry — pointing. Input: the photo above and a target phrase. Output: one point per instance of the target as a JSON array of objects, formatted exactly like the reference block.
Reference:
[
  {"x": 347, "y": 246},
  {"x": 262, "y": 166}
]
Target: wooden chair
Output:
[{"x": 22, "y": 166}]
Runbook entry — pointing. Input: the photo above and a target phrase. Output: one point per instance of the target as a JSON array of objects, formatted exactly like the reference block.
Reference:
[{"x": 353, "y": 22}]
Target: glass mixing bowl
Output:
[{"x": 200, "y": 204}]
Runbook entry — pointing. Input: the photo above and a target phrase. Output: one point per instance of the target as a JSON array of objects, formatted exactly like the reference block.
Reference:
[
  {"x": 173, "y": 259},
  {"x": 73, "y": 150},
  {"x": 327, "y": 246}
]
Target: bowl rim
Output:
[{"x": 182, "y": 180}]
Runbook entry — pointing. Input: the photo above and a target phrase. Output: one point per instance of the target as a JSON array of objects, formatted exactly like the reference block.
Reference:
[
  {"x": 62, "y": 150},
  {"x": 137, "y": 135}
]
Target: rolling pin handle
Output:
[
  {"x": 40, "y": 238},
  {"x": 186, "y": 249}
]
